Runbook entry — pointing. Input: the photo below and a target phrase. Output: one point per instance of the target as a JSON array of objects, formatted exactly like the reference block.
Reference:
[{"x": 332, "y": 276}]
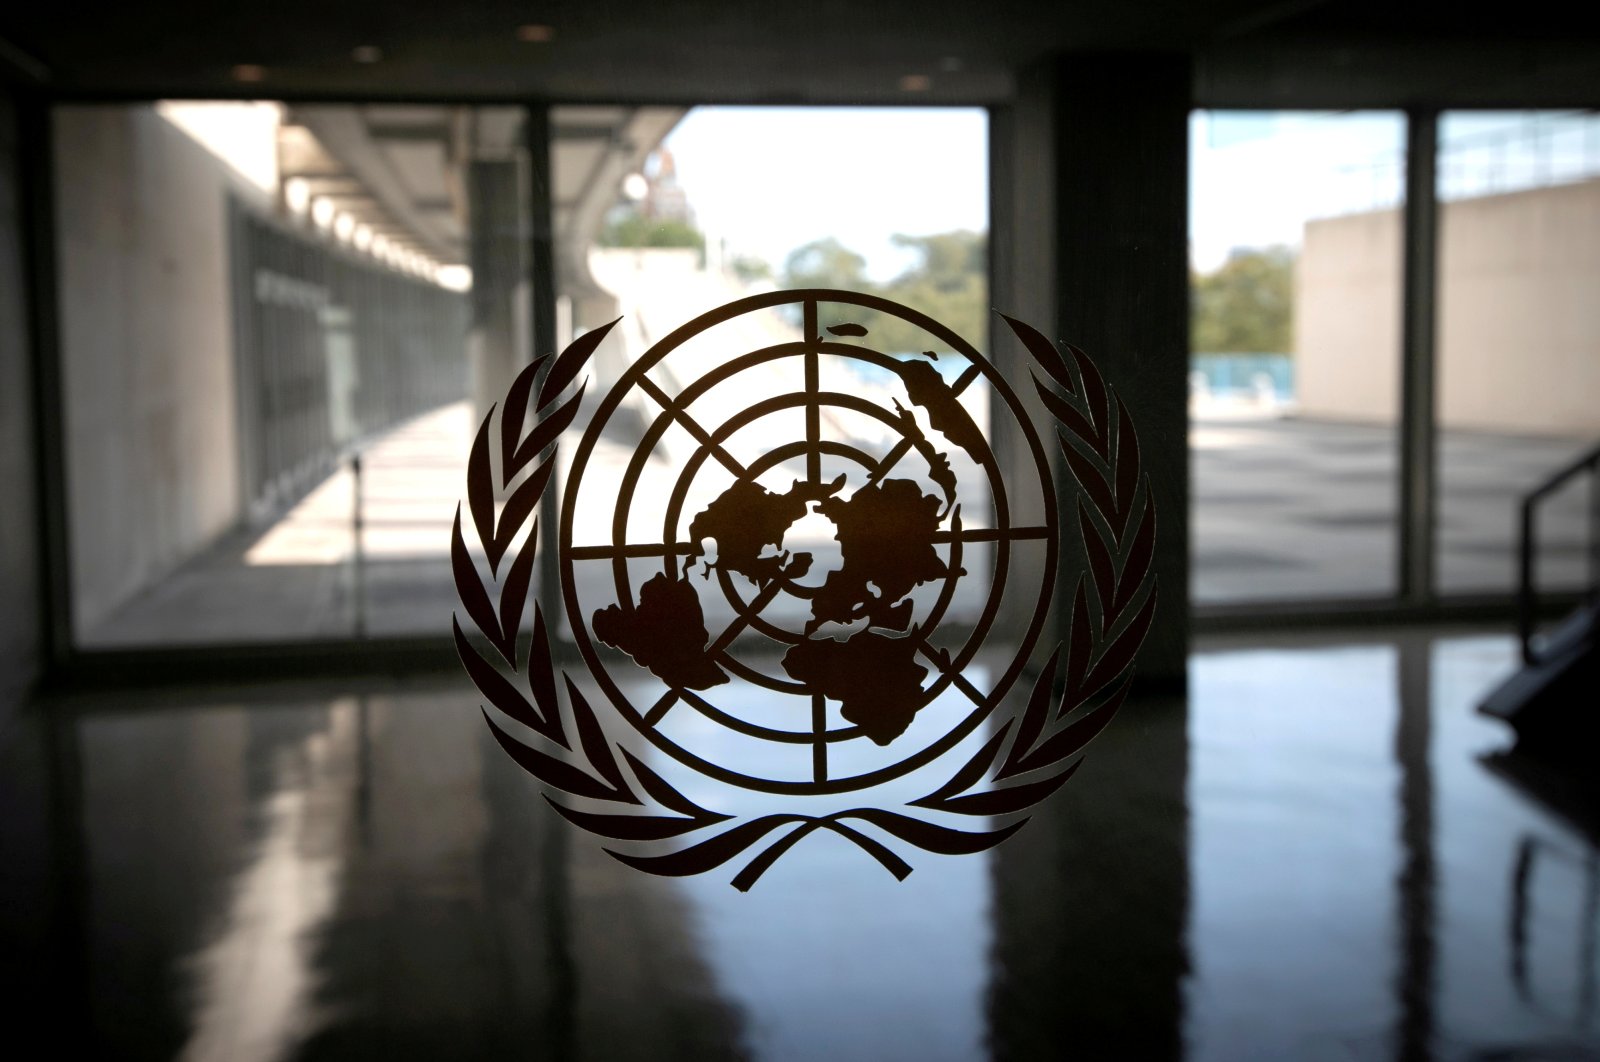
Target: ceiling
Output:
[
  {"x": 1262, "y": 52},
  {"x": 592, "y": 148},
  {"x": 401, "y": 170}
]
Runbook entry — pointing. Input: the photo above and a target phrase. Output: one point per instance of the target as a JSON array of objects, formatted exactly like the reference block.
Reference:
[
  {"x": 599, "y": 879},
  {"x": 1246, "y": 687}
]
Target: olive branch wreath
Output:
[{"x": 1070, "y": 703}]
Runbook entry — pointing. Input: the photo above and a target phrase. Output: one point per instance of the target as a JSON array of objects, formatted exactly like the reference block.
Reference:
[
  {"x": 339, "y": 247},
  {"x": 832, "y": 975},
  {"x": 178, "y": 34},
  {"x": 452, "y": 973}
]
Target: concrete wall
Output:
[
  {"x": 1519, "y": 320},
  {"x": 147, "y": 341},
  {"x": 20, "y": 555},
  {"x": 1519, "y": 313},
  {"x": 1347, "y": 318}
]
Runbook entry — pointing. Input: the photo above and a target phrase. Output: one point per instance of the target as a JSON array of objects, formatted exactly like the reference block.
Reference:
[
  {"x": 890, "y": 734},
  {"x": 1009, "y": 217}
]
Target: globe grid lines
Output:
[
  {"x": 811, "y": 399},
  {"x": 605, "y": 784},
  {"x": 748, "y": 612},
  {"x": 949, "y": 666}
]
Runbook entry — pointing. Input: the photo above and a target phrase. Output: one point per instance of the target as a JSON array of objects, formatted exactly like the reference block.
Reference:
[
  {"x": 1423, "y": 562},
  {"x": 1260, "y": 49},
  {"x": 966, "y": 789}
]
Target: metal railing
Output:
[
  {"x": 1527, "y": 586},
  {"x": 1537, "y": 149}
]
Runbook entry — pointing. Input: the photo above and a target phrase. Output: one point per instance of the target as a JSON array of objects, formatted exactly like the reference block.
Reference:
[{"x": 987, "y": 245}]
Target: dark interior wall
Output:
[{"x": 20, "y": 628}]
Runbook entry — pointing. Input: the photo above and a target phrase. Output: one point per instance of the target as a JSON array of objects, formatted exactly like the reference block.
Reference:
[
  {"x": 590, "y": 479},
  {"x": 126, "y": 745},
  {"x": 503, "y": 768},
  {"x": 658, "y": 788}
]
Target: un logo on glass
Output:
[{"x": 796, "y": 581}]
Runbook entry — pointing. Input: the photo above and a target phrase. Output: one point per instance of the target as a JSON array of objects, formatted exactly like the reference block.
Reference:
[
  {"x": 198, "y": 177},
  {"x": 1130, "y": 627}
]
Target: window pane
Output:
[
  {"x": 1519, "y": 339},
  {"x": 664, "y": 214},
  {"x": 1295, "y": 223},
  {"x": 252, "y": 295}
]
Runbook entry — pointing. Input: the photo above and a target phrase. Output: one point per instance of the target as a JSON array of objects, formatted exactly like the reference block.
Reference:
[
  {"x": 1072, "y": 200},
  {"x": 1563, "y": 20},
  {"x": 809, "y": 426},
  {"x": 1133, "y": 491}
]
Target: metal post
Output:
[
  {"x": 1543, "y": 149},
  {"x": 1591, "y": 125},
  {"x": 1417, "y": 369},
  {"x": 542, "y": 270},
  {"x": 358, "y": 556},
  {"x": 1527, "y": 593},
  {"x": 1588, "y": 984},
  {"x": 1594, "y": 534},
  {"x": 35, "y": 149}
]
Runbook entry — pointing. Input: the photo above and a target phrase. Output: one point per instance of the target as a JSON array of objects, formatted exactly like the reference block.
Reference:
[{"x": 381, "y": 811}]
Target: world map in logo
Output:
[
  {"x": 791, "y": 569},
  {"x": 840, "y": 501},
  {"x": 885, "y": 533}
]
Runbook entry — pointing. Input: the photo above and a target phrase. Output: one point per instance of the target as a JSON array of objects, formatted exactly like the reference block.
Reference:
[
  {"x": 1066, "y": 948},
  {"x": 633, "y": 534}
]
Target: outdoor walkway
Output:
[
  {"x": 1284, "y": 509},
  {"x": 300, "y": 578},
  {"x": 1287, "y": 508}
]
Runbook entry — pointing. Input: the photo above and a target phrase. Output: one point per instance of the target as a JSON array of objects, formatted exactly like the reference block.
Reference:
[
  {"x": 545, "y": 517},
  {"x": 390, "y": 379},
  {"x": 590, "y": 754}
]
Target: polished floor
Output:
[{"x": 1319, "y": 855}]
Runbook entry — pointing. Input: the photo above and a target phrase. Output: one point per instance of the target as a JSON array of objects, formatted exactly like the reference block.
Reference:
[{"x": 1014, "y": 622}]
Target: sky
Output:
[
  {"x": 769, "y": 179},
  {"x": 1256, "y": 178}
]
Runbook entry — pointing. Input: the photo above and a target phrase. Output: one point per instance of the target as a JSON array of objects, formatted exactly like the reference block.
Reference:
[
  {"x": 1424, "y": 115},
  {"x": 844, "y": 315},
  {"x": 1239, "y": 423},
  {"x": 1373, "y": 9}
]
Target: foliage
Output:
[
  {"x": 825, "y": 263},
  {"x": 1246, "y": 306},
  {"x": 749, "y": 268},
  {"x": 947, "y": 281},
  {"x": 632, "y": 229}
]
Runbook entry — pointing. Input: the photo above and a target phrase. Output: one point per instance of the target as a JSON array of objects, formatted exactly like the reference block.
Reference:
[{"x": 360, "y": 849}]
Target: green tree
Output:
[
  {"x": 947, "y": 280},
  {"x": 825, "y": 263},
  {"x": 632, "y": 229},
  {"x": 1246, "y": 306},
  {"x": 949, "y": 259},
  {"x": 748, "y": 268}
]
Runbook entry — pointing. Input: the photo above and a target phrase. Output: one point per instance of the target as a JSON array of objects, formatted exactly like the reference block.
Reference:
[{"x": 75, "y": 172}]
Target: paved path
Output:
[
  {"x": 1284, "y": 509},
  {"x": 1287, "y": 508}
]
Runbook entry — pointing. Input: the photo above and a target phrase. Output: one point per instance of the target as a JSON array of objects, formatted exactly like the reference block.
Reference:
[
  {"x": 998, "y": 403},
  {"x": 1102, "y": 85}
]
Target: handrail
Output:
[{"x": 1527, "y": 590}]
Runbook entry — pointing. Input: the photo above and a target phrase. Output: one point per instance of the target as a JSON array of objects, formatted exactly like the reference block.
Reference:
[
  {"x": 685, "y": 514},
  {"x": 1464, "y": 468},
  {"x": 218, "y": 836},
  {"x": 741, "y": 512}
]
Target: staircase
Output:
[{"x": 1553, "y": 702}]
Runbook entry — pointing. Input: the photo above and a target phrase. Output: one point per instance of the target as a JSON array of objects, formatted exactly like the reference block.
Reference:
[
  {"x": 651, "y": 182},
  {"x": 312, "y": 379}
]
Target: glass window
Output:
[
  {"x": 730, "y": 459},
  {"x": 664, "y": 214},
  {"x": 1518, "y": 339},
  {"x": 1295, "y": 251},
  {"x": 273, "y": 317}
]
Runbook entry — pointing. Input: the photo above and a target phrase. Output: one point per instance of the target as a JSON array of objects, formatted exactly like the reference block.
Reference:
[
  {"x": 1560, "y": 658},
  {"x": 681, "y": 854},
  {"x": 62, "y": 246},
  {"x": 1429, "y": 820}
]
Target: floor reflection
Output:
[{"x": 1318, "y": 855}]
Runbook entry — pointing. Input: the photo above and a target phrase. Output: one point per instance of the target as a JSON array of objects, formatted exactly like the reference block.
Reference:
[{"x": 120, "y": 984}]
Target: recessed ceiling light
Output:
[
  {"x": 367, "y": 53},
  {"x": 249, "y": 72},
  {"x": 297, "y": 195},
  {"x": 535, "y": 34},
  {"x": 916, "y": 83}
]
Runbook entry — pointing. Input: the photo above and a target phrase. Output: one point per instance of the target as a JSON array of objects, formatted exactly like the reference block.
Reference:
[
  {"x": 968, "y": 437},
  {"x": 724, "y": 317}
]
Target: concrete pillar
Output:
[
  {"x": 1121, "y": 246},
  {"x": 500, "y": 340},
  {"x": 1091, "y": 235}
]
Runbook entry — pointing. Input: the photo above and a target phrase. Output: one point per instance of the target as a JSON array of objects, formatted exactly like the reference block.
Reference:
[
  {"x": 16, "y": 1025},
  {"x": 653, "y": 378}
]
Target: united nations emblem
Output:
[{"x": 797, "y": 581}]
